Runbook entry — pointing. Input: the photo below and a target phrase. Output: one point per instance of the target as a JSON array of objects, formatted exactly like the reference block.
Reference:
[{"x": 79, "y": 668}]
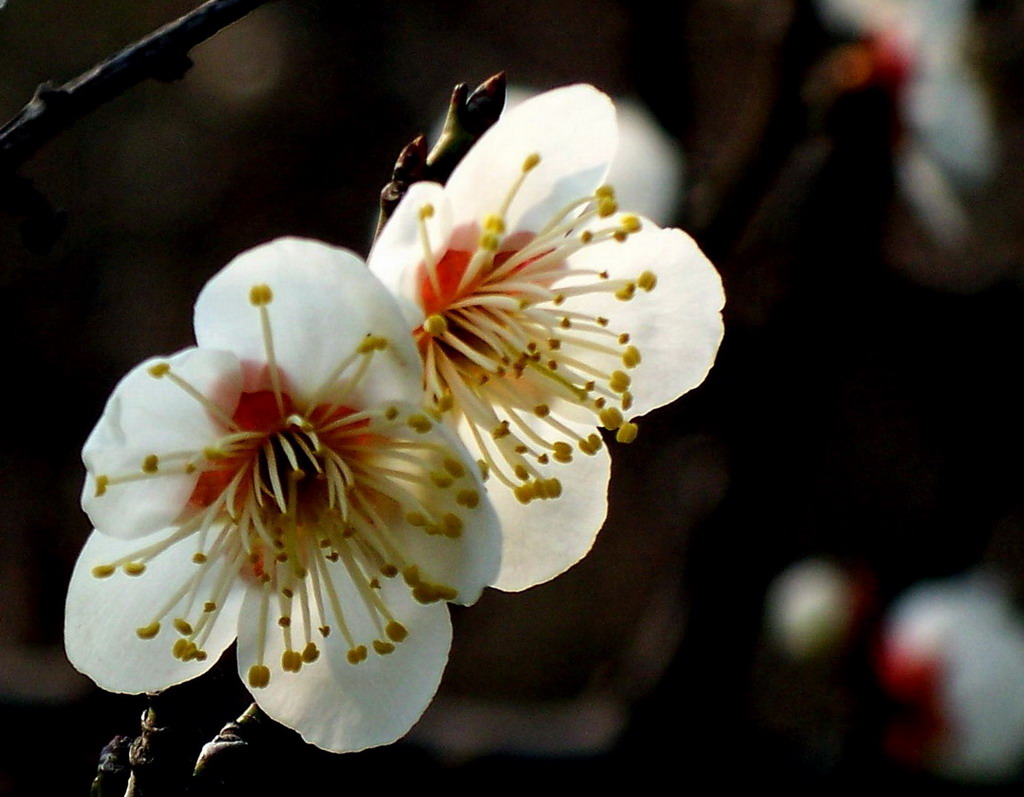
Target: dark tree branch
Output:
[{"x": 162, "y": 55}]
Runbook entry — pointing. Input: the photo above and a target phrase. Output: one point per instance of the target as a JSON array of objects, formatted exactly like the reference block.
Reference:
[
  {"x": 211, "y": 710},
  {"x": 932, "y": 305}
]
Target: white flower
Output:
[
  {"x": 950, "y": 150},
  {"x": 954, "y": 650},
  {"x": 541, "y": 311},
  {"x": 278, "y": 483}
]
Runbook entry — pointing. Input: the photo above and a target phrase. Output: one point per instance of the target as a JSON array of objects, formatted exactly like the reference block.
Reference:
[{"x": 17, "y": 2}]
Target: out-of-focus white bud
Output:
[{"x": 810, "y": 608}]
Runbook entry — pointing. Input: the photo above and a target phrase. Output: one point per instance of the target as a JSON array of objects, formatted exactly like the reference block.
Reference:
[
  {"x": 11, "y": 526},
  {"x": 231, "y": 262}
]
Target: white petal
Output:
[
  {"x": 345, "y": 707},
  {"x": 546, "y": 537},
  {"x": 101, "y": 616},
  {"x": 470, "y": 562},
  {"x": 572, "y": 129},
  {"x": 397, "y": 256},
  {"x": 145, "y": 416},
  {"x": 325, "y": 301},
  {"x": 677, "y": 327}
]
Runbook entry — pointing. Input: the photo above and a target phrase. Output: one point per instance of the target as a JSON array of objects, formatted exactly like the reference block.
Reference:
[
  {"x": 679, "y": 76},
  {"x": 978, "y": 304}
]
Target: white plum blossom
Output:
[
  {"x": 279, "y": 483},
  {"x": 953, "y": 650},
  {"x": 541, "y": 311},
  {"x": 949, "y": 149}
]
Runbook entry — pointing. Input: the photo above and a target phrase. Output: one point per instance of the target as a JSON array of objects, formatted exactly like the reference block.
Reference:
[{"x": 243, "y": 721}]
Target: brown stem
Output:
[{"x": 162, "y": 55}]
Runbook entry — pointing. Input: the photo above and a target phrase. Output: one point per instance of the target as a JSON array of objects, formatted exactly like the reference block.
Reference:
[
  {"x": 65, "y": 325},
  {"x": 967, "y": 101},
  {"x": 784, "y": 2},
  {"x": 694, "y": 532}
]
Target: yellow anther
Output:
[
  {"x": 452, "y": 525},
  {"x": 444, "y": 403},
  {"x": 260, "y": 295},
  {"x": 525, "y": 493},
  {"x": 212, "y": 453},
  {"x": 391, "y": 413},
  {"x": 606, "y": 206},
  {"x": 199, "y": 655},
  {"x": 435, "y": 325},
  {"x": 604, "y": 191},
  {"x": 442, "y": 480},
  {"x": 542, "y": 410},
  {"x": 468, "y": 498},
  {"x": 150, "y": 464},
  {"x": 484, "y": 468},
  {"x": 558, "y": 298},
  {"x": 602, "y": 321},
  {"x": 291, "y": 661},
  {"x": 630, "y": 223},
  {"x": 626, "y": 292},
  {"x": 159, "y": 369},
  {"x": 623, "y": 338},
  {"x": 374, "y": 583},
  {"x": 489, "y": 242},
  {"x": 426, "y": 212},
  {"x": 500, "y": 431},
  {"x": 395, "y": 631},
  {"x": 199, "y": 557},
  {"x": 627, "y": 432},
  {"x": 182, "y": 627},
  {"x": 102, "y": 483},
  {"x": 552, "y": 488},
  {"x": 188, "y": 651},
  {"x": 619, "y": 381},
  {"x": 103, "y": 571},
  {"x": 419, "y": 422},
  {"x": 591, "y": 445},
  {"x": 494, "y": 223},
  {"x": 611, "y": 418},
  {"x": 631, "y": 357},
  {"x": 325, "y": 630},
  {"x": 562, "y": 452},
  {"x": 383, "y": 648},
  {"x": 388, "y": 570},
  {"x": 372, "y": 343},
  {"x": 209, "y": 606},
  {"x": 415, "y": 519},
  {"x": 356, "y": 654},
  {"x": 454, "y": 467},
  {"x": 134, "y": 568},
  {"x": 554, "y": 343},
  {"x": 148, "y": 631},
  {"x": 259, "y": 676},
  {"x": 586, "y": 236},
  {"x": 426, "y": 593},
  {"x": 531, "y": 161},
  {"x": 627, "y": 400},
  {"x": 619, "y": 236},
  {"x": 599, "y": 402},
  {"x": 284, "y": 622},
  {"x": 180, "y": 648},
  {"x": 647, "y": 281},
  {"x": 411, "y": 575}
]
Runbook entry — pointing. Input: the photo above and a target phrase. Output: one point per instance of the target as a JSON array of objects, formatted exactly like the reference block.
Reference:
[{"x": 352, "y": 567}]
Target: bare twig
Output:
[
  {"x": 162, "y": 55},
  {"x": 470, "y": 115}
]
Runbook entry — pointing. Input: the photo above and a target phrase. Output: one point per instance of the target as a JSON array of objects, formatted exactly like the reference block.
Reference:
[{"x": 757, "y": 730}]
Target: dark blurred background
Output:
[{"x": 864, "y": 419}]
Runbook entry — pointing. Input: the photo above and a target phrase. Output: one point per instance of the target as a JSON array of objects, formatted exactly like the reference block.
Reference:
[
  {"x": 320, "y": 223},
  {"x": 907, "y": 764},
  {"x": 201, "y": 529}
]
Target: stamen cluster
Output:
[{"x": 497, "y": 339}]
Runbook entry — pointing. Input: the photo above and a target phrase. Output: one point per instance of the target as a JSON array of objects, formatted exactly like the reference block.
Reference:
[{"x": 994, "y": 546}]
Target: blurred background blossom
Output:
[{"x": 864, "y": 412}]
